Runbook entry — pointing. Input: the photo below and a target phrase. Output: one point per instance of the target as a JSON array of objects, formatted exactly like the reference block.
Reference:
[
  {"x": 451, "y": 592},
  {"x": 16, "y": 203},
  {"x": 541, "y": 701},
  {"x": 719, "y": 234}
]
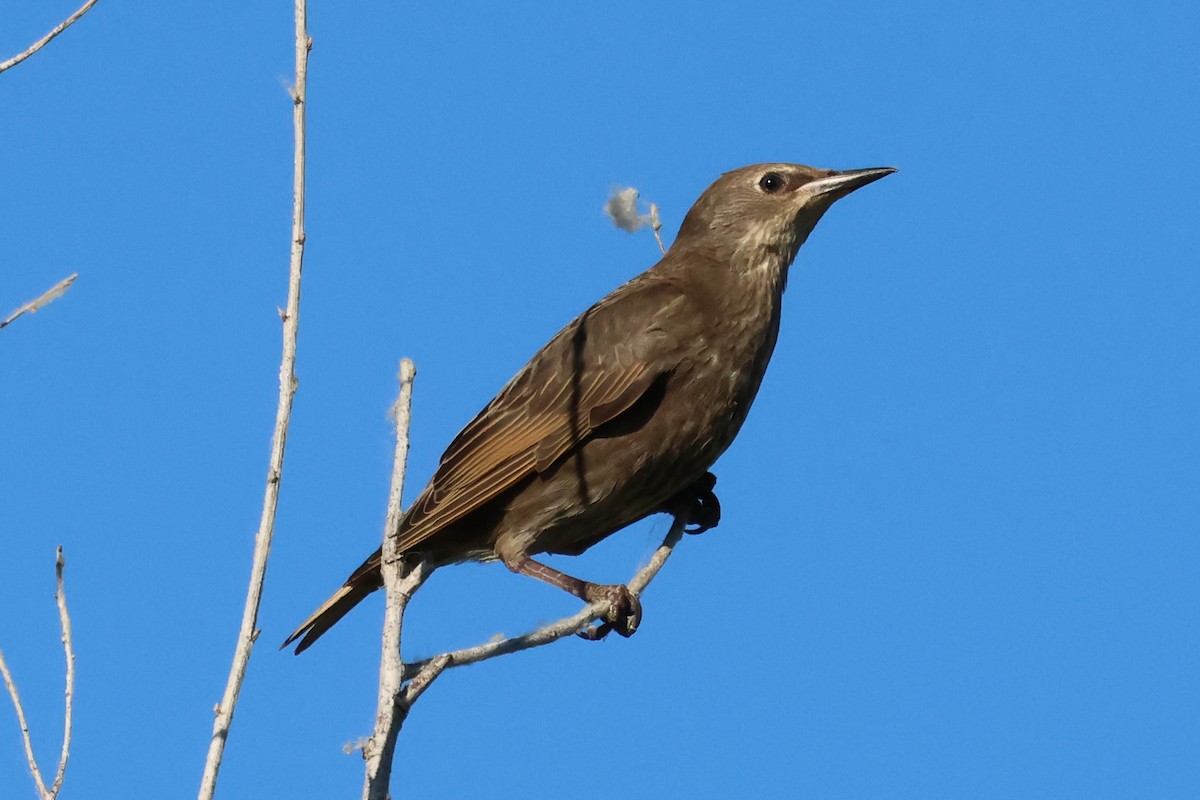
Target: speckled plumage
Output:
[{"x": 628, "y": 405}]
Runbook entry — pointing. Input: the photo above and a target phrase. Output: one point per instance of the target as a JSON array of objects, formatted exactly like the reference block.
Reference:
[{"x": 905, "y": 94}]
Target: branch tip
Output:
[
  {"x": 45, "y": 298},
  {"x": 45, "y": 40}
]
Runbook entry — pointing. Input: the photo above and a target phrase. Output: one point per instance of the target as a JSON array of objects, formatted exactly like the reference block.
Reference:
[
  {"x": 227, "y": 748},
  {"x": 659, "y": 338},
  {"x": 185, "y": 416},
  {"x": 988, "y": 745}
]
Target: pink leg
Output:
[{"x": 624, "y": 609}]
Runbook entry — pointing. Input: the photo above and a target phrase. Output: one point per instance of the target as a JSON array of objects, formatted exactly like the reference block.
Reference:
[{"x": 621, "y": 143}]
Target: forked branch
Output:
[
  {"x": 60, "y": 598},
  {"x": 401, "y": 578}
]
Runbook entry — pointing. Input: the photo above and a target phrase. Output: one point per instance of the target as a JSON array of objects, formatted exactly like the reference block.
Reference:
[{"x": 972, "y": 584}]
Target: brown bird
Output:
[{"x": 623, "y": 412}]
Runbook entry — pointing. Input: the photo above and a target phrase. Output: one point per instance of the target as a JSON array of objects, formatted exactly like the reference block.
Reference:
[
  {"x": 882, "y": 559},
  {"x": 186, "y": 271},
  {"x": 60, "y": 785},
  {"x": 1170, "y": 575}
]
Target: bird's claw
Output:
[
  {"x": 594, "y": 633},
  {"x": 701, "y": 505},
  {"x": 623, "y": 615}
]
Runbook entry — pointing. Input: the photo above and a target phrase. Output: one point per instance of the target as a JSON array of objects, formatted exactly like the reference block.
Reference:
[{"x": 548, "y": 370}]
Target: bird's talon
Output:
[
  {"x": 623, "y": 614},
  {"x": 594, "y": 633},
  {"x": 701, "y": 505}
]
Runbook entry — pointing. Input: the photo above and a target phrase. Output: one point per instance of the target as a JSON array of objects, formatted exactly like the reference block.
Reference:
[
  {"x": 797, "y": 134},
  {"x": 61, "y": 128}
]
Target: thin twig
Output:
[
  {"x": 400, "y": 580},
  {"x": 565, "y": 626},
  {"x": 51, "y": 294},
  {"x": 287, "y": 391},
  {"x": 428, "y": 674},
  {"x": 656, "y": 226},
  {"x": 60, "y": 597},
  {"x": 11, "y": 685},
  {"x": 45, "y": 40}
]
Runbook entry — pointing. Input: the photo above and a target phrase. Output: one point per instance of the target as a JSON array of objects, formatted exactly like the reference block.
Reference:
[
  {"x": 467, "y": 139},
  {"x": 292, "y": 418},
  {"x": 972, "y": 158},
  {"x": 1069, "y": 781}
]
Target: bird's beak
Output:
[{"x": 840, "y": 184}]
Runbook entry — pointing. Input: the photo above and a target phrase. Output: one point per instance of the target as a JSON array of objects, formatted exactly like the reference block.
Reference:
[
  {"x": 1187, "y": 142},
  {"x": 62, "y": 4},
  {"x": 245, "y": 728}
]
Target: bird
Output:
[{"x": 623, "y": 412}]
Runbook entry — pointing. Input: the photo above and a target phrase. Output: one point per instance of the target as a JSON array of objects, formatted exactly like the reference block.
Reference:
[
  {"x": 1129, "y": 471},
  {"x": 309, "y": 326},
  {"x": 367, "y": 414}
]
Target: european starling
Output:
[{"x": 623, "y": 412}]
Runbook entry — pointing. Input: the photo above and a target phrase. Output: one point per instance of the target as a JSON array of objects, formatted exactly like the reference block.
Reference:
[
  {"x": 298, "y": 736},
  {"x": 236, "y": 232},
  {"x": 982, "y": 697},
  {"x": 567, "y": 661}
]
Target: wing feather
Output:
[{"x": 568, "y": 390}]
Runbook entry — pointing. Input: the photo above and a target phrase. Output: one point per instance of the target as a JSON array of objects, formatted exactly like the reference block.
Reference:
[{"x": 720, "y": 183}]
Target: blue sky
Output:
[{"x": 959, "y": 551}]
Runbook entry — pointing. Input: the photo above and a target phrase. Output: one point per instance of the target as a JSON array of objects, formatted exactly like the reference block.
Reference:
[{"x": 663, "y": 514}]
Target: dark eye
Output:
[{"x": 772, "y": 182}]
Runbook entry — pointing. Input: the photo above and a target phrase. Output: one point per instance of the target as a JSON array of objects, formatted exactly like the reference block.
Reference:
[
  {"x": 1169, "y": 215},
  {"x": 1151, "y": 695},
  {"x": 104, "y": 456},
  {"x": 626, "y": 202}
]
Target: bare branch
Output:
[
  {"x": 400, "y": 580},
  {"x": 565, "y": 626},
  {"x": 428, "y": 674},
  {"x": 656, "y": 225},
  {"x": 55, "y": 292},
  {"x": 379, "y": 749},
  {"x": 45, "y": 40},
  {"x": 65, "y": 618},
  {"x": 287, "y": 391},
  {"x": 11, "y": 685},
  {"x": 60, "y": 597}
]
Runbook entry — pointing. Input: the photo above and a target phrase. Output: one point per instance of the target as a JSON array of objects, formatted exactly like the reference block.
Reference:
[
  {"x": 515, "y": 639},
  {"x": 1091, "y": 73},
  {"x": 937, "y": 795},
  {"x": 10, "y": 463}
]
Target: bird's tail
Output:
[{"x": 365, "y": 580}]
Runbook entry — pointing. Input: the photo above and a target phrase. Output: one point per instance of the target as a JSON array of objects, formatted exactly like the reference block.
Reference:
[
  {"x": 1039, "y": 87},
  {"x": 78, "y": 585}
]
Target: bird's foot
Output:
[
  {"x": 623, "y": 614},
  {"x": 700, "y": 504}
]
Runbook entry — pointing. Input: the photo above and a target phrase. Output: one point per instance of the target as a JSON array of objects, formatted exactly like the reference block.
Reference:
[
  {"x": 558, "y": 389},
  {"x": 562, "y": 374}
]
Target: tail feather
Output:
[{"x": 329, "y": 613}]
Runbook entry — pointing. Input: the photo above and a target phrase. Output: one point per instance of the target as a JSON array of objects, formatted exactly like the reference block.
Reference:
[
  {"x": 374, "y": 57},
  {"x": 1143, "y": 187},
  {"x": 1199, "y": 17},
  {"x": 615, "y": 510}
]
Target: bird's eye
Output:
[{"x": 772, "y": 182}]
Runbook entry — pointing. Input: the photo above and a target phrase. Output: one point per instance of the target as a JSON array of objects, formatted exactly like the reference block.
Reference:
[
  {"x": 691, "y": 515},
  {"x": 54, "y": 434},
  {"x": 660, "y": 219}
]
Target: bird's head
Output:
[{"x": 764, "y": 212}]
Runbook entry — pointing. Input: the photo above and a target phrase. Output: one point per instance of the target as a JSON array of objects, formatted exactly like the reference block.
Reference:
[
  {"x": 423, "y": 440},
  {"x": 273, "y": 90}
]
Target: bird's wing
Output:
[{"x": 589, "y": 374}]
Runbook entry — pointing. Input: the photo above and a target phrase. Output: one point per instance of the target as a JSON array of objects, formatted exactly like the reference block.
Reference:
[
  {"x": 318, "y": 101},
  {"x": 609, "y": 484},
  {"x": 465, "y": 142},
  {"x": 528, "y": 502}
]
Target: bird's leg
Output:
[
  {"x": 624, "y": 609},
  {"x": 699, "y": 502}
]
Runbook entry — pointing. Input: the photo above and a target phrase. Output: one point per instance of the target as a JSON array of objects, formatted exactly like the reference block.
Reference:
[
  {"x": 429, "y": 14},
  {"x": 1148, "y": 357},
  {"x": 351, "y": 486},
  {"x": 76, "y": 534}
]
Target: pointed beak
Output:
[{"x": 840, "y": 184}]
